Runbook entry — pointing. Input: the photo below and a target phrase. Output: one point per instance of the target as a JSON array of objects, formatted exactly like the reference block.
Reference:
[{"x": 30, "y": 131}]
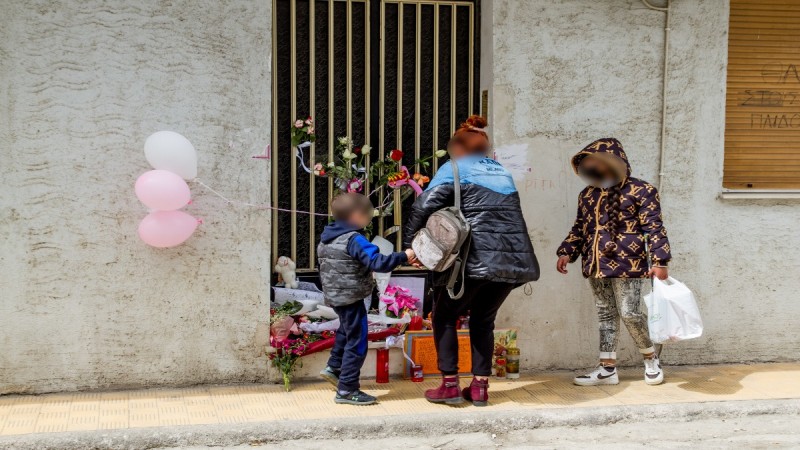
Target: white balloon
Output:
[{"x": 168, "y": 150}]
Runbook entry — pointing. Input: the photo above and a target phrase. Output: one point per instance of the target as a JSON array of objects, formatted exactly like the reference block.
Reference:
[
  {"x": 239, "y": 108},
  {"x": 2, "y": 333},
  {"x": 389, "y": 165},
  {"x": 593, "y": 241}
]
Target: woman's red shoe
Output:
[
  {"x": 477, "y": 392},
  {"x": 448, "y": 392}
]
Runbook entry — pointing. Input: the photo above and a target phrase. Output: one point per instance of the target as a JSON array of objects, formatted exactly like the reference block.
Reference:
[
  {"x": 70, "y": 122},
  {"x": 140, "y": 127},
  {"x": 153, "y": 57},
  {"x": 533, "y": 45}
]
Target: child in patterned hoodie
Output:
[{"x": 616, "y": 214}]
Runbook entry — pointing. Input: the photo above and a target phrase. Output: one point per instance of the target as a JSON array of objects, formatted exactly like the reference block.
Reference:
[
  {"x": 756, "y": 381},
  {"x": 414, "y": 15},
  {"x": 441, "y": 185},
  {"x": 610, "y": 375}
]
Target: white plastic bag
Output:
[
  {"x": 319, "y": 327},
  {"x": 672, "y": 313}
]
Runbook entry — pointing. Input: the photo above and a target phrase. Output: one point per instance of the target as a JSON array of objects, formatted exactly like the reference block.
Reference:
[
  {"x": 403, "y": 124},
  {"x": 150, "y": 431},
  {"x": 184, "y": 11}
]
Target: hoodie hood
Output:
[
  {"x": 611, "y": 151},
  {"x": 336, "y": 229}
]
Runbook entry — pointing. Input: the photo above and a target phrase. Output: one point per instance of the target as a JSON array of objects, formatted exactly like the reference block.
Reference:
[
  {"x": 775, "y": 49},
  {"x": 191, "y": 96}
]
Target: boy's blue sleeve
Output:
[{"x": 369, "y": 255}]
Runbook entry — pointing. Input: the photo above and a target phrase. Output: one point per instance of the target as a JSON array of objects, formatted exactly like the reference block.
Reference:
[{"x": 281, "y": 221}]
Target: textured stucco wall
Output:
[
  {"x": 569, "y": 71},
  {"x": 85, "y": 304}
]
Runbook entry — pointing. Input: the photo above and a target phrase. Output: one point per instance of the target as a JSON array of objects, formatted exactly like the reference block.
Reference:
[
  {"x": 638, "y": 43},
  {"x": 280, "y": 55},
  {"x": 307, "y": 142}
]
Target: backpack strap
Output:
[
  {"x": 460, "y": 264},
  {"x": 456, "y": 185},
  {"x": 458, "y": 271}
]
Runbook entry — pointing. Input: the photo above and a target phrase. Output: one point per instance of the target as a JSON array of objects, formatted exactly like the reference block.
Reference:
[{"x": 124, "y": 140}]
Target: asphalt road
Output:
[{"x": 757, "y": 432}]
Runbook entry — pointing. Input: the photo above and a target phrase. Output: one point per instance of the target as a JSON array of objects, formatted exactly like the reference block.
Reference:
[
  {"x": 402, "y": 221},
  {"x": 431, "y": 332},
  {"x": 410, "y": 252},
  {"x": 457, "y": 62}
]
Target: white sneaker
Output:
[
  {"x": 600, "y": 376},
  {"x": 653, "y": 374}
]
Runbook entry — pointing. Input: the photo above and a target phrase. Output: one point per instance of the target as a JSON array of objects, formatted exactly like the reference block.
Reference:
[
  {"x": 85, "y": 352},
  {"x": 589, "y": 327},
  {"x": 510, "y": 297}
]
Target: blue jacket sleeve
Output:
[{"x": 369, "y": 255}]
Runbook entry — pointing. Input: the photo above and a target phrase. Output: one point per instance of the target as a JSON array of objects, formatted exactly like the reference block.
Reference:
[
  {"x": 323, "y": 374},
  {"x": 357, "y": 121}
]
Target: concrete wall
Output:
[
  {"x": 84, "y": 303},
  {"x": 567, "y": 72}
]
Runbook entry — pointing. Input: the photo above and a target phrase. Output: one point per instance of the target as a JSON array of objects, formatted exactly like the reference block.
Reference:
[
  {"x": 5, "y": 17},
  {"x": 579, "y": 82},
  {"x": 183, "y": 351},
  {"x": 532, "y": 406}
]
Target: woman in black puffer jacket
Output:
[{"x": 501, "y": 257}]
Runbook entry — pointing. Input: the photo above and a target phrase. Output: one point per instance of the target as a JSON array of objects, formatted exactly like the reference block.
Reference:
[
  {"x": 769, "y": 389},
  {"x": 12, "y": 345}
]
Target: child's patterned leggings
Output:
[{"x": 620, "y": 298}]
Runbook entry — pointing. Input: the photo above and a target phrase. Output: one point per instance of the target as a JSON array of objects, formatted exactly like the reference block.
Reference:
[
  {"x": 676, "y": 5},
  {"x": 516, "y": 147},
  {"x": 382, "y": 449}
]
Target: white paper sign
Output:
[{"x": 514, "y": 157}]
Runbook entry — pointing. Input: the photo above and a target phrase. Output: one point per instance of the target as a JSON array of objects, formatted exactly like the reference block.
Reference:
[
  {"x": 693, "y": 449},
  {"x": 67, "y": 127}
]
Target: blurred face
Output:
[
  {"x": 456, "y": 149},
  {"x": 361, "y": 218},
  {"x": 598, "y": 173},
  {"x": 467, "y": 144}
]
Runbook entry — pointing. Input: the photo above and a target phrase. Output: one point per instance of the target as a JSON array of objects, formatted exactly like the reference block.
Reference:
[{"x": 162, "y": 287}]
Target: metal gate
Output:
[{"x": 389, "y": 73}]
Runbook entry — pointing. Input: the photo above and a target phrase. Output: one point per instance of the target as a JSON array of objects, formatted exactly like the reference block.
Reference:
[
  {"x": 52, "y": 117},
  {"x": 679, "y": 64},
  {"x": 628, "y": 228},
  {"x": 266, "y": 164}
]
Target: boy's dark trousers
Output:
[{"x": 350, "y": 349}]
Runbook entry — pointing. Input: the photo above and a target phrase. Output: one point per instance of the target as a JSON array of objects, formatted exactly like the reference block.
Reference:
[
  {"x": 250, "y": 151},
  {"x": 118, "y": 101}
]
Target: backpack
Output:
[{"x": 444, "y": 242}]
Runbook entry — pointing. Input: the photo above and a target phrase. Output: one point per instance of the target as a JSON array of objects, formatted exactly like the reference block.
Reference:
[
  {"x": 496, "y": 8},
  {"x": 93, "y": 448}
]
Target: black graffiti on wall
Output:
[
  {"x": 761, "y": 97},
  {"x": 780, "y": 73},
  {"x": 778, "y": 121},
  {"x": 777, "y": 99}
]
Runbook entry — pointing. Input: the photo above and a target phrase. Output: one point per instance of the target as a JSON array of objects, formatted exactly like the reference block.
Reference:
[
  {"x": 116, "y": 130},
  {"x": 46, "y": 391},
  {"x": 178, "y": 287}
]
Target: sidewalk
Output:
[{"x": 312, "y": 402}]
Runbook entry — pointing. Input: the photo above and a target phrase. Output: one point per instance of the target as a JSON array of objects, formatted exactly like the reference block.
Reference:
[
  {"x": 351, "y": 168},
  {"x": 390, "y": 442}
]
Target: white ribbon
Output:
[
  {"x": 299, "y": 154},
  {"x": 399, "y": 341}
]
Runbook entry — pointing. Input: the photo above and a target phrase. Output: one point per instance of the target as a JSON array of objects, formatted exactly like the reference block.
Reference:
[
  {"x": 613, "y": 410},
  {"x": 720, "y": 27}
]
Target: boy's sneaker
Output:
[
  {"x": 356, "y": 397},
  {"x": 602, "y": 375},
  {"x": 330, "y": 375},
  {"x": 653, "y": 374}
]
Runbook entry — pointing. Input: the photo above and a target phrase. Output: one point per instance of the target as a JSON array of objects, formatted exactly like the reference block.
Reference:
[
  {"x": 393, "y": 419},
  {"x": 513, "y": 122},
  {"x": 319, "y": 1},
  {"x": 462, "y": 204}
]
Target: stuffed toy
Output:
[{"x": 285, "y": 270}]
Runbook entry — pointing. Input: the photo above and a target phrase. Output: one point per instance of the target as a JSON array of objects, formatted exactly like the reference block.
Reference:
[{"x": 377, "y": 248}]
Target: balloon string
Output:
[{"x": 251, "y": 205}]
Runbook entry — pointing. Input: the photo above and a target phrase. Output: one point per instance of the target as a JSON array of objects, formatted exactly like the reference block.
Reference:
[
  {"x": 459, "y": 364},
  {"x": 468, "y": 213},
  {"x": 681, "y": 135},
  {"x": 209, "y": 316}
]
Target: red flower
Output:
[
  {"x": 357, "y": 150},
  {"x": 396, "y": 154}
]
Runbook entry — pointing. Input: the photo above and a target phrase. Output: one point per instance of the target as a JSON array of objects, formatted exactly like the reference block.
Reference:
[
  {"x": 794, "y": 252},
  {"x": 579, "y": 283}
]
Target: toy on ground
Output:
[{"x": 285, "y": 268}]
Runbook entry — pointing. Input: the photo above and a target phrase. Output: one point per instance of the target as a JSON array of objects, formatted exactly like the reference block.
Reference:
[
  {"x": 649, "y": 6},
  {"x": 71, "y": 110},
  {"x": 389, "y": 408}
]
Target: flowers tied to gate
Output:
[
  {"x": 303, "y": 131},
  {"x": 351, "y": 172},
  {"x": 347, "y": 167},
  {"x": 392, "y": 173},
  {"x": 399, "y": 301}
]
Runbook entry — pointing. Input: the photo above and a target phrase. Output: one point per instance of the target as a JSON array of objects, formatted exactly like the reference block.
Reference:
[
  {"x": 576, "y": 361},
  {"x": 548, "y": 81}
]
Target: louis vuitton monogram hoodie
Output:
[{"x": 637, "y": 207}]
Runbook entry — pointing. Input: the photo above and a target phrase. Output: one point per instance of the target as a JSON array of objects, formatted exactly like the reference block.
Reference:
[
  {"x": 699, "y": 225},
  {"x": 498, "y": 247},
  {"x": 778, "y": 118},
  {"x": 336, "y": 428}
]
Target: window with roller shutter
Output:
[{"x": 762, "y": 133}]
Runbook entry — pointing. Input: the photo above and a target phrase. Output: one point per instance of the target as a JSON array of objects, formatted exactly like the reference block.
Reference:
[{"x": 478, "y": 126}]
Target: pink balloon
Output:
[
  {"x": 167, "y": 228},
  {"x": 162, "y": 190}
]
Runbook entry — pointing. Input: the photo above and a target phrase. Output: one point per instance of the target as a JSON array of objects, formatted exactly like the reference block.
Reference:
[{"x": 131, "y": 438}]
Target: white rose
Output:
[
  {"x": 299, "y": 123},
  {"x": 440, "y": 153},
  {"x": 331, "y": 165},
  {"x": 365, "y": 149},
  {"x": 348, "y": 155},
  {"x": 344, "y": 140}
]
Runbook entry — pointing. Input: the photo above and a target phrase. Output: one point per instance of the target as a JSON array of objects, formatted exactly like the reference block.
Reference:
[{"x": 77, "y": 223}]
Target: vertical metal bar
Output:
[
  {"x": 399, "y": 75},
  {"x": 381, "y": 102},
  {"x": 452, "y": 69},
  {"x": 397, "y": 207},
  {"x": 471, "y": 56},
  {"x": 367, "y": 75},
  {"x": 312, "y": 181},
  {"x": 274, "y": 146},
  {"x": 293, "y": 91},
  {"x": 331, "y": 139},
  {"x": 418, "y": 40},
  {"x": 349, "y": 69},
  {"x": 435, "y": 84}
]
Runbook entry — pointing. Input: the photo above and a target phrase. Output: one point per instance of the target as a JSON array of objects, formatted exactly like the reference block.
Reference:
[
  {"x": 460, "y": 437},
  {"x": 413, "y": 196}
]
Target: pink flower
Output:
[
  {"x": 309, "y": 120},
  {"x": 355, "y": 185},
  {"x": 299, "y": 123},
  {"x": 311, "y": 131}
]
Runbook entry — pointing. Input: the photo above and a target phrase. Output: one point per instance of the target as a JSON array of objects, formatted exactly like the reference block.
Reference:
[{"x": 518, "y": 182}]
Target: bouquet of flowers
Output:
[
  {"x": 288, "y": 352},
  {"x": 398, "y": 301},
  {"x": 351, "y": 169},
  {"x": 303, "y": 131}
]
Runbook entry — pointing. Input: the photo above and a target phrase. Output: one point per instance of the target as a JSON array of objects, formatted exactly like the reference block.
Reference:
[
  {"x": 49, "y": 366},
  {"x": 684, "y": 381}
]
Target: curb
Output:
[{"x": 424, "y": 424}]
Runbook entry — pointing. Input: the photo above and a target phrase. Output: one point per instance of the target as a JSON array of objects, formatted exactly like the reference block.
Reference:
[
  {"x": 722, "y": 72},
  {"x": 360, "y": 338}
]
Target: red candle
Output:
[
  {"x": 416, "y": 373},
  {"x": 382, "y": 369}
]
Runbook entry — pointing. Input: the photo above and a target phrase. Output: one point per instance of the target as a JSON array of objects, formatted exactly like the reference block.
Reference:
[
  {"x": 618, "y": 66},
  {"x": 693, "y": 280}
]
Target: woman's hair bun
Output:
[{"x": 476, "y": 121}]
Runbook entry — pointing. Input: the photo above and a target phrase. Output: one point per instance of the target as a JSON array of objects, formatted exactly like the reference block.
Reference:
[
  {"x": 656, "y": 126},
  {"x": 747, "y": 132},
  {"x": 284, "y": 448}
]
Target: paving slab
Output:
[{"x": 236, "y": 414}]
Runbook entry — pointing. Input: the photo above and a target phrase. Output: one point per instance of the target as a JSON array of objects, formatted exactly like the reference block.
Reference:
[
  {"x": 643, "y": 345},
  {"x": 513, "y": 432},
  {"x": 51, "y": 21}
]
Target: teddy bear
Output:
[{"x": 285, "y": 268}]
